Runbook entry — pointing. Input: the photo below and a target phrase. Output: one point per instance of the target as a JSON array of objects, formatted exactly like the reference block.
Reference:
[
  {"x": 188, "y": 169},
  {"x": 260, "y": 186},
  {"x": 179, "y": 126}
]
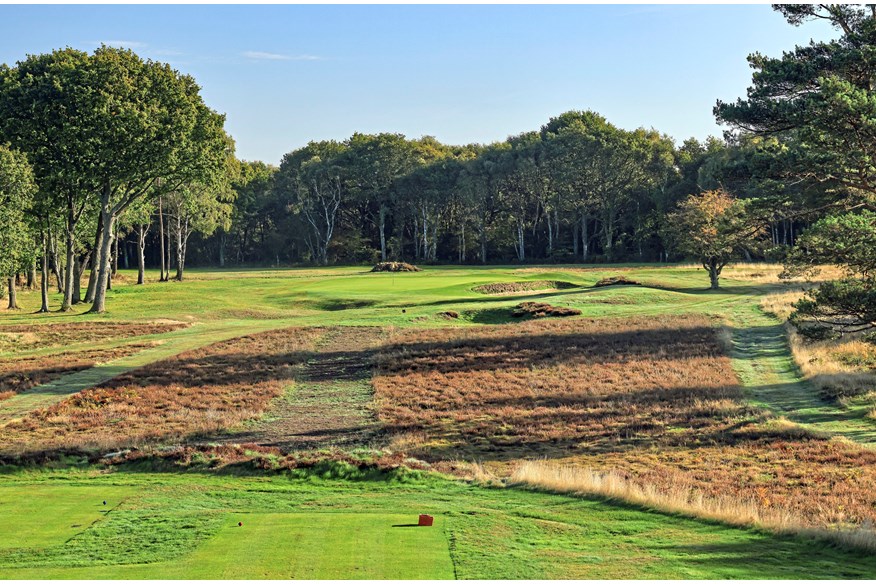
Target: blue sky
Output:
[{"x": 285, "y": 75}]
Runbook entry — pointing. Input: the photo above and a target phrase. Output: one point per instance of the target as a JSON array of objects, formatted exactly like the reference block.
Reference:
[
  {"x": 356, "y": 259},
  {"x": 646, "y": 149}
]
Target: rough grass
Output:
[
  {"x": 525, "y": 286},
  {"x": 196, "y": 393}
]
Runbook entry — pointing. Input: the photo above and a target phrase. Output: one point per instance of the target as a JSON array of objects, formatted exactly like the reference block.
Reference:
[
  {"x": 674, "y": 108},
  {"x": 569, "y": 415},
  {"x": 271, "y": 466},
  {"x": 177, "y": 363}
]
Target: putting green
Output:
[{"x": 45, "y": 517}]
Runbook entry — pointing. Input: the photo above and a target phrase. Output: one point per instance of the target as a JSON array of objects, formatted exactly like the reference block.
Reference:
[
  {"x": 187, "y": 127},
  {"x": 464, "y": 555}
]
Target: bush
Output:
[
  {"x": 395, "y": 267},
  {"x": 616, "y": 281},
  {"x": 542, "y": 310},
  {"x": 526, "y": 286}
]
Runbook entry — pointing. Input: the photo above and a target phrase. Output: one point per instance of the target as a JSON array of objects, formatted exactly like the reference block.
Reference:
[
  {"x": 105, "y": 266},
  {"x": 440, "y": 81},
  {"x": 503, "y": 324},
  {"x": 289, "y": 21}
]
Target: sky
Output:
[{"x": 286, "y": 75}]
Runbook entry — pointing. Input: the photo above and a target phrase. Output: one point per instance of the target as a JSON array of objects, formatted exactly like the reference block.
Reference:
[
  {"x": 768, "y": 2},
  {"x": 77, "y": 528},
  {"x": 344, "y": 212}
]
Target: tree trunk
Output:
[
  {"x": 95, "y": 262},
  {"x": 714, "y": 268},
  {"x": 180, "y": 249},
  {"x": 116, "y": 253},
  {"x": 44, "y": 277},
  {"x": 585, "y": 238},
  {"x": 521, "y": 250},
  {"x": 161, "y": 240},
  {"x": 483, "y": 237},
  {"x": 69, "y": 272},
  {"x": 550, "y": 249},
  {"x": 141, "y": 254},
  {"x": 462, "y": 245},
  {"x": 608, "y": 231},
  {"x": 13, "y": 299},
  {"x": 53, "y": 251},
  {"x": 78, "y": 267},
  {"x": 575, "y": 238},
  {"x": 102, "y": 259},
  {"x": 31, "y": 276},
  {"x": 382, "y": 232},
  {"x": 222, "y": 238},
  {"x": 167, "y": 242}
]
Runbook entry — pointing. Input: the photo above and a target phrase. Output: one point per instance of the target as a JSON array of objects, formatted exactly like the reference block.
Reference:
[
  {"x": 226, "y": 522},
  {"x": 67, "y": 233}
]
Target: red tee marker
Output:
[
  {"x": 425, "y": 521},
  {"x": 240, "y": 523}
]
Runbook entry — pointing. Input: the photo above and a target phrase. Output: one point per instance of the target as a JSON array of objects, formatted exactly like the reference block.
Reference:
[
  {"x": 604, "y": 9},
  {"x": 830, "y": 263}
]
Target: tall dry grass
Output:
[
  {"x": 768, "y": 273},
  {"x": 840, "y": 368},
  {"x": 682, "y": 499}
]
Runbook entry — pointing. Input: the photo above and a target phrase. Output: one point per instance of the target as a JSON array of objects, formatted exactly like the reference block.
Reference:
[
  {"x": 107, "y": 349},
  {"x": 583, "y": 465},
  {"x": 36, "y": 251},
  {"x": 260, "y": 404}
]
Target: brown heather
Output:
[
  {"x": 653, "y": 400},
  {"x": 197, "y": 393},
  {"x": 17, "y": 338},
  {"x": 22, "y": 373}
]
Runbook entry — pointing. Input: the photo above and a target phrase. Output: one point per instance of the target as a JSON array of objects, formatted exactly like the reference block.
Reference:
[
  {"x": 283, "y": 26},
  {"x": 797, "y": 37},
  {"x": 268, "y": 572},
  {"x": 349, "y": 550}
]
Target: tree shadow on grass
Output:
[
  {"x": 776, "y": 557},
  {"x": 605, "y": 423}
]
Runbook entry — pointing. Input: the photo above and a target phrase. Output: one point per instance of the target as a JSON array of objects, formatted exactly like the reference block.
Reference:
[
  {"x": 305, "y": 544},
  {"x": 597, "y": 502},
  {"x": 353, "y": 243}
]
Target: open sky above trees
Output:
[{"x": 285, "y": 75}]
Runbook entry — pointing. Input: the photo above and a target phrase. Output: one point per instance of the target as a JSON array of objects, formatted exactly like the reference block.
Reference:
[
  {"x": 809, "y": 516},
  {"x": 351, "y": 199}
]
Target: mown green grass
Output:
[
  {"x": 184, "y": 525},
  {"x": 50, "y": 516},
  {"x": 354, "y": 296}
]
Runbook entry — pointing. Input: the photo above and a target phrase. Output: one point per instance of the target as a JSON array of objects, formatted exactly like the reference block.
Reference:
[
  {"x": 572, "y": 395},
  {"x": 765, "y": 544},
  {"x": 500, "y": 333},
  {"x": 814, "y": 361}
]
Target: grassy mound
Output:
[
  {"x": 395, "y": 267},
  {"x": 616, "y": 281},
  {"x": 541, "y": 310},
  {"x": 512, "y": 287}
]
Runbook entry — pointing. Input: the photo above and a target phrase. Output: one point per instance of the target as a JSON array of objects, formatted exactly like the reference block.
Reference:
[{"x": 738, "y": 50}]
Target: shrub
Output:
[
  {"x": 512, "y": 287},
  {"x": 395, "y": 267},
  {"x": 542, "y": 310},
  {"x": 616, "y": 281}
]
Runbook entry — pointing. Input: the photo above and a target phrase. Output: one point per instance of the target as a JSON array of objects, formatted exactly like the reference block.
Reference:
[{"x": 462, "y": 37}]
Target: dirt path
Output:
[{"x": 329, "y": 403}]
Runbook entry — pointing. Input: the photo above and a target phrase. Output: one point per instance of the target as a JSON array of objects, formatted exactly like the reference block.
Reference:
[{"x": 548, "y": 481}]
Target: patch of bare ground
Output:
[
  {"x": 18, "y": 338},
  {"x": 329, "y": 403},
  {"x": 655, "y": 401},
  {"x": 22, "y": 373}
]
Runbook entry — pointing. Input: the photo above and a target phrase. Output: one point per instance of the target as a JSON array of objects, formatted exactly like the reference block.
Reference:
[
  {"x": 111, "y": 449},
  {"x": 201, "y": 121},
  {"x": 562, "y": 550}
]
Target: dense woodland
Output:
[{"x": 114, "y": 161}]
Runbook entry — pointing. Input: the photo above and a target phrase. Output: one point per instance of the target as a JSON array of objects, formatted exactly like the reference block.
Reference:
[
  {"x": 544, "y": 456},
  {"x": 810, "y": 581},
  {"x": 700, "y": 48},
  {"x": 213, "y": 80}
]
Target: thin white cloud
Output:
[
  {"x": 263, "y": 56},
  {"x": 128, "y": 44}
]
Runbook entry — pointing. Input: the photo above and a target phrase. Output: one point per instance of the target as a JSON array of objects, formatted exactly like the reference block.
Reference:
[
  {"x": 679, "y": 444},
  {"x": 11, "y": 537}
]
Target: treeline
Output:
[
  {"x": 579, "y": 189},
  {"x": 111, "y": 159}
]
